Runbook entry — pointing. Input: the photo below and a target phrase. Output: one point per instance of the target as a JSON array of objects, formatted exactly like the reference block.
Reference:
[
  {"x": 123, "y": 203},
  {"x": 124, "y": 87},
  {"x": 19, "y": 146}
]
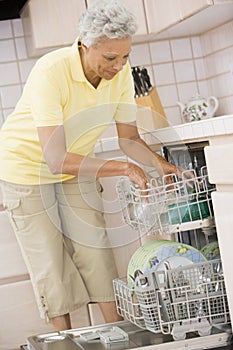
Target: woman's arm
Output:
[
  {"x": 59, "y": 161},
  {"x": 132, "y": 145}
]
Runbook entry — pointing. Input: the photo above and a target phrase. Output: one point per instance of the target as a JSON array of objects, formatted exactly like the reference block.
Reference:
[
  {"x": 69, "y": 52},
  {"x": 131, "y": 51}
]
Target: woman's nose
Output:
[{"x": 118, "y": 65}]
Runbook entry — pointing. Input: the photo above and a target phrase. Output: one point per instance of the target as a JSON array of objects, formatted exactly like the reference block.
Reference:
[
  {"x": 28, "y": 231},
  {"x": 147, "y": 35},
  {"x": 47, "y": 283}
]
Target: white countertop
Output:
[{"x": 203, "y": 129}]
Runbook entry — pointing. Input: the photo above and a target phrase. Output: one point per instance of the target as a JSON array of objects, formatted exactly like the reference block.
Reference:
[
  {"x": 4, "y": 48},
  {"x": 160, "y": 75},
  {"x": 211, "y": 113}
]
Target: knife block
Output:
[{"x": 150, "y": 114}]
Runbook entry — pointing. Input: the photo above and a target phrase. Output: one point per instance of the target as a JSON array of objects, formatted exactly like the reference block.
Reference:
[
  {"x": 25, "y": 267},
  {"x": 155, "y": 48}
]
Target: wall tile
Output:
[
  {"x": 110, "y": 131},
  {"x": 196, "y": 46},
  {"x": 200, "y": 68},
  {"x": 25, "y": 68},
  {"x": 188, "y": 131},
  {"x": 222, "y": 60},
  {"x": 209, "y": 53},
  {"x": 18, "y": 27},
  {"x": 9, "y": 73},
  {"x": 7, "y": 50},
  {"x": 222, "y": 85},
  {"x": 218, "y": 125},
  {"x": 1, "y": 122},
  {"x": 10, "y": 95},
  {"x": 6, "y": 112},
  {"x": 197, "y": 129},
  {"x": 20, "y": 48},
  {"x": 98, "y": 147},
  {"x": 181, "y": 49},
  {"x": 227, "y": 105},
  {"x": 203, "y": 88},
  {"x": 164, "y": 74},
  {"x": 173, "y": 115},
  {"x": 210, "y": 66},
  {"x": 208, "y": 128},
  {"x": 5, "y": 30},
  {"x": 110, "y": 144},
  {"x": 168, "y": 95},
  {"x": 186, "y": 91},
  {"x": 221, "y": 37},
  {"x": 140, "y": 55},
  {"x": 228, "y": 124},
  {"x": 184, "y": 71},
  {"x": 206, "y": 43},
  {"x": 150, "y": 71},
  {"x": 160, "y": 51}
]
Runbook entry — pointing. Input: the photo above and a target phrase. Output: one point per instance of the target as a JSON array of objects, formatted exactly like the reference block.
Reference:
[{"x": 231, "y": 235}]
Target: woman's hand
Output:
[
  {"x": 137, "y": 176},
  {"x": 165, "y": 168}
]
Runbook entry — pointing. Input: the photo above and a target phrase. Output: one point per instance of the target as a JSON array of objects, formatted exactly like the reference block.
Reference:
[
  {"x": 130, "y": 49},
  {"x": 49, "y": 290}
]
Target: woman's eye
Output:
[{"x": 110, "y": 58}]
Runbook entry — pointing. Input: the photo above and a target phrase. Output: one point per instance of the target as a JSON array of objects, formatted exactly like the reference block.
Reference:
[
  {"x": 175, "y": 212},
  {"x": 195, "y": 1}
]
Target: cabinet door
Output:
[
  {"x": 161, "y": 14},
  {"x": 49, "y": 24},
  {"x": 136, "y": 6},
  {"x": 190, "y": 7},
  {"x": 222, "y": 202}
]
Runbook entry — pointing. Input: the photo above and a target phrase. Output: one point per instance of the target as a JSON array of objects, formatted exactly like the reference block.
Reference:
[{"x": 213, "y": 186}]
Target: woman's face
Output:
[{"x": 106, "y": 58}]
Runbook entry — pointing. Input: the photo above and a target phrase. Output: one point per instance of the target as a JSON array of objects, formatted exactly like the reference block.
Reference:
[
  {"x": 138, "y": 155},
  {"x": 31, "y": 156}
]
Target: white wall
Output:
[
  {"x": 183, "y": 66},
  {"x": 178, "y": 67}
]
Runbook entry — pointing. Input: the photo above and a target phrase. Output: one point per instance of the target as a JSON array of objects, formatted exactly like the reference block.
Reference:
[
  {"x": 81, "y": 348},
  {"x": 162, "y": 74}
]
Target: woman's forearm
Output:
[
  {"x": 139, "y": 151},
  {"x": 78, "y": 165}
]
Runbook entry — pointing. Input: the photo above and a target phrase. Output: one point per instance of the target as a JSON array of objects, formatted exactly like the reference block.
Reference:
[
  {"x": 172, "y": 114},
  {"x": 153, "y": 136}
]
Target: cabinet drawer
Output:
[{"x": 219, "y": 164}]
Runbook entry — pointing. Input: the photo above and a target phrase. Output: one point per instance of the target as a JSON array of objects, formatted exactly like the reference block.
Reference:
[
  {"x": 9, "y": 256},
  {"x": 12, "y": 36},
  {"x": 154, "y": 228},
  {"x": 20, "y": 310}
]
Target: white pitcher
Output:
[{"x": 198, "y": 108}]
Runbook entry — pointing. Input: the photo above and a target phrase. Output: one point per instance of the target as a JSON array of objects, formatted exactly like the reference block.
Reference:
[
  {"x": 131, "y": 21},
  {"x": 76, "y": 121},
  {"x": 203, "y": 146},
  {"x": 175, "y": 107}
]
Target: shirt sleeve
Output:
[
  {"x": 127, "y": 108},
  {"x": 46, "y": 104}
]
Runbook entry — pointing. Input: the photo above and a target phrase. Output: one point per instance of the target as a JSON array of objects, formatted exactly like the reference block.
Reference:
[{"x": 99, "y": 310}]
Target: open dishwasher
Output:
[
  {"x": 170, "y": 308},
  {"x": 182, "y": 299}
]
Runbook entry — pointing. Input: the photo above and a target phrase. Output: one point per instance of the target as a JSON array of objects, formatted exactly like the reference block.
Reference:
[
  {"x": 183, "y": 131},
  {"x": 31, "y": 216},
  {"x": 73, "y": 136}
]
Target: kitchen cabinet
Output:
[
  {"x": 136, "y": 6},
  {"x": 190, "y": 7},
  {"x": 161, "y": 14},
  {"x": 220, "y": 170},
  {"x": 177, "y": 18},
  {"x": 50, "y": 24}
]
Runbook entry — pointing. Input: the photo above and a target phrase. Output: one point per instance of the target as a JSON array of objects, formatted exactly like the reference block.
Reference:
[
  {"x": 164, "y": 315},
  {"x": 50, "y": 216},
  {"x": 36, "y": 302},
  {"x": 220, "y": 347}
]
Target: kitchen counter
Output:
[{"x": 198, "y": 130}]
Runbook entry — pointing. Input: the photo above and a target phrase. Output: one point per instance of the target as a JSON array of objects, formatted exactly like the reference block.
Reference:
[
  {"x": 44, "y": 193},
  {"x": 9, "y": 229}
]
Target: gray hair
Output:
[{"x": 106, "y": 18}]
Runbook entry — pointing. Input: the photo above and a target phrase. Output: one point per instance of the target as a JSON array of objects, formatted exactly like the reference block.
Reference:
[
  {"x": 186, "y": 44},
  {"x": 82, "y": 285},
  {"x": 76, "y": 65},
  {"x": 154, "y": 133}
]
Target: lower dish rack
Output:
[
  {"x": 184, "y": 204},
  {"x": 176, "y": 301}
]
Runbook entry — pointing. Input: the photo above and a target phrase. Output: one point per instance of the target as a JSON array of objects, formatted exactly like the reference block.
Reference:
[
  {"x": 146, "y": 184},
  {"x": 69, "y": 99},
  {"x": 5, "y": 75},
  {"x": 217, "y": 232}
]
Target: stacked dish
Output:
[
  {"x": 152, "y": 256},
  {"x": 211, "y": 251}
]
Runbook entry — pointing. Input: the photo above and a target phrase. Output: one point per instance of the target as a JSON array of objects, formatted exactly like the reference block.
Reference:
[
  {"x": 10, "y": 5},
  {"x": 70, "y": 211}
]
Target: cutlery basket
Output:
[{"x": 176, "y": 301}]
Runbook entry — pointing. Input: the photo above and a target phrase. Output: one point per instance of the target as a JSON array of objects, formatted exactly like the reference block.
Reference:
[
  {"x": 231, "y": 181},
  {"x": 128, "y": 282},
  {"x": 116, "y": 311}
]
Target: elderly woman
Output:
[{"x": 49, "y": 176}]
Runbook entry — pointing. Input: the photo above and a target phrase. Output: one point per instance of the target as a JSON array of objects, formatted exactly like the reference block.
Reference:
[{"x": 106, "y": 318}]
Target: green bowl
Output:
[{"x": 184, "y": 212}]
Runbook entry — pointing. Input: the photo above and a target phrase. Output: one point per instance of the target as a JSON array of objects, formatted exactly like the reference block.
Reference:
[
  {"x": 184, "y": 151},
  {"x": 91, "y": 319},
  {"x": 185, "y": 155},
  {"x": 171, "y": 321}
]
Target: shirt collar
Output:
[{"x": 76, "y": 64}]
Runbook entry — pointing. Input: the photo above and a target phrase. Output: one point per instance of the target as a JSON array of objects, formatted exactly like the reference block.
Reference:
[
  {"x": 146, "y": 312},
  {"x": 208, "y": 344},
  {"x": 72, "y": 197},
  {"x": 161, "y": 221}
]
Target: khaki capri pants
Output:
[{"x": 61, "y": 231}]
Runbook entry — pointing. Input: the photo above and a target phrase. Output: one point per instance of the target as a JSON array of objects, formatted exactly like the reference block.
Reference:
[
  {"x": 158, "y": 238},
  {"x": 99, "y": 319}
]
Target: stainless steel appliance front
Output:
[{"x": 87, "y": 339}]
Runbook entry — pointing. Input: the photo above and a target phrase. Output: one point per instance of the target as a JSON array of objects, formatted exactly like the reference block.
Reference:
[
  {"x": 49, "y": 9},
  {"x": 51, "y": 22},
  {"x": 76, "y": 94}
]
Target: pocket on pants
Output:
[{"x": 13, "y": 209}]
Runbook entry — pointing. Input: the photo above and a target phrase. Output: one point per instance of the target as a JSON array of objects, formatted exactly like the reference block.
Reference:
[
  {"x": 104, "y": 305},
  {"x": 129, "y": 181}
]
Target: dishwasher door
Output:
[{"x": 88, "y": 338}]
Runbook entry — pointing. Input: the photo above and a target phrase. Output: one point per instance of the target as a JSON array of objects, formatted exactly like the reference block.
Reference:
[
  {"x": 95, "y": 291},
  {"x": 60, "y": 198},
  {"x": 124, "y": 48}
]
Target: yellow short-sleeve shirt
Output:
[{"x": 57, "y": 93}]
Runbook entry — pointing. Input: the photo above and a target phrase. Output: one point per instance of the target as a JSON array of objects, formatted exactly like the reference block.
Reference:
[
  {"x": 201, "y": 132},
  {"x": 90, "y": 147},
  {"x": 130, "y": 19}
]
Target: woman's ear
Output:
[{"x": 84, "y": 47}]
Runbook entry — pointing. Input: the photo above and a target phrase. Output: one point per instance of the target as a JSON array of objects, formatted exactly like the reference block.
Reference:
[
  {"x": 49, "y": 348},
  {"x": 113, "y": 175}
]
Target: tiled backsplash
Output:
[{"x": 178, "y": 67}]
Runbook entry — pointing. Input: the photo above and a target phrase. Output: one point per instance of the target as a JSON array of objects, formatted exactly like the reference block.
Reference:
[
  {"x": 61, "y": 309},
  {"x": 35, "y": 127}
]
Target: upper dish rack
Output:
[{"x": 179, "y": 205}]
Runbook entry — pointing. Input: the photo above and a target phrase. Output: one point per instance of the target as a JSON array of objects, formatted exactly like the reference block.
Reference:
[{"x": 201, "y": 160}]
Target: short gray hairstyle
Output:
[{"x": 108, "y": 18}]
